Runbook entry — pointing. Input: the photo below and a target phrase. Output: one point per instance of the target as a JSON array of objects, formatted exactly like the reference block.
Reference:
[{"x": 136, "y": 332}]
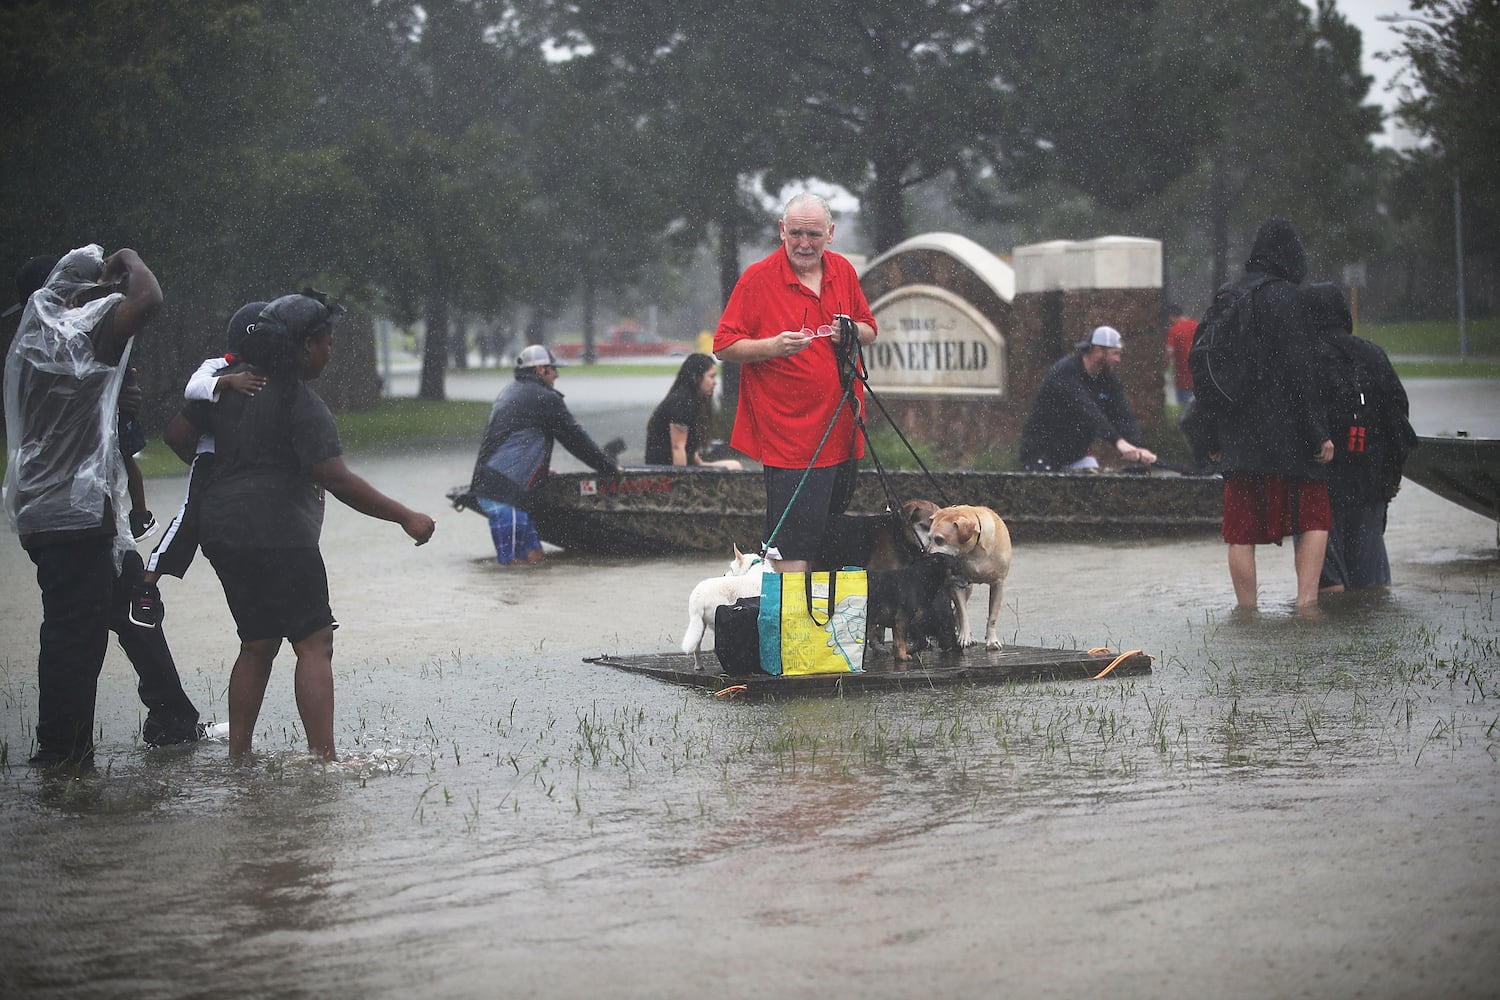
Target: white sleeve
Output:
[{"x": 204, "y": 383}]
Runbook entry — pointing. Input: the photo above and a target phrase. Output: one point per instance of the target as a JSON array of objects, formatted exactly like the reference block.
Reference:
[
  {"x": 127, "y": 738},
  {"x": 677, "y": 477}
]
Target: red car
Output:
[{"x": 626, "y": 342}]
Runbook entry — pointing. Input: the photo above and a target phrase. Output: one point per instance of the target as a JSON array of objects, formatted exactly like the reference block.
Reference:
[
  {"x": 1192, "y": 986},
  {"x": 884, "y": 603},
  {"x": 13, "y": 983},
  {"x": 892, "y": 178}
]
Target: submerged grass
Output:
[{"x": 1392, "y": 699}]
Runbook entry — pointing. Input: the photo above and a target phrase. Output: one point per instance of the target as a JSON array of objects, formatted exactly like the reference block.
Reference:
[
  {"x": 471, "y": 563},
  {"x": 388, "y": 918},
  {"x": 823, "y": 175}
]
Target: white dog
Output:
[{"x": 741, "y": 580}]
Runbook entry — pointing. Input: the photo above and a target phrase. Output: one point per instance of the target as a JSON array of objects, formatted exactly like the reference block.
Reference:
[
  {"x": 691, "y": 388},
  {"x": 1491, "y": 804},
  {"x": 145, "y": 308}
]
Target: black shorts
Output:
[
  {"x": 273, "y": 593},
  {"x": 827, "y": 491},
  {"x": 132, "y": 436}
]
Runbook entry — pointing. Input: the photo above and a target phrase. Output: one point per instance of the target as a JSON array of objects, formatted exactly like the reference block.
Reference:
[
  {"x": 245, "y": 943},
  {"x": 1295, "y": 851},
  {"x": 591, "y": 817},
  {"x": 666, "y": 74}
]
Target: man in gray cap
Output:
[
  {"x": 516, "y": 453},
  {"x": 1082, "y": 401}
]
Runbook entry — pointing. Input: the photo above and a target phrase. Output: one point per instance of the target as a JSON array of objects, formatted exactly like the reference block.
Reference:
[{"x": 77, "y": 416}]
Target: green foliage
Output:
[
  {"x": 1453, "y": 47},
  {"x": 432, "y": 161}
]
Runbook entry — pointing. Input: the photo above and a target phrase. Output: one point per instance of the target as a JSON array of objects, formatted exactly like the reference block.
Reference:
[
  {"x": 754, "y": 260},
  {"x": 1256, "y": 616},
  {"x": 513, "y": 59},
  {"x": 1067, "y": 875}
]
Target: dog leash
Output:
[
  {"x": 864, "y": 376},
  {"x": 766, "y": 546},
  {"x": 851, "y": 367}
]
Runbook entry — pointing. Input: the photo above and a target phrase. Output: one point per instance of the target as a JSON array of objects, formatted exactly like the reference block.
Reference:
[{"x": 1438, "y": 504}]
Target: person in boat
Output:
[
  {"x": 674, "y": 434},
  {"x": 1081, "y": 401},
  {"x": 515, "y": 455},
  {"x": 1368, "y": 422},
  {"x": 782, "y": 325}
]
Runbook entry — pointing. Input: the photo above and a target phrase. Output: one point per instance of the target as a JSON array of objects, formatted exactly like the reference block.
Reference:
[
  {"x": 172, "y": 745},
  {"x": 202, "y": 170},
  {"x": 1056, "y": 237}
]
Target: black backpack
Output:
[
  {"x": 1348, "y": 391},
  {"x": 1227, "y": 353}
]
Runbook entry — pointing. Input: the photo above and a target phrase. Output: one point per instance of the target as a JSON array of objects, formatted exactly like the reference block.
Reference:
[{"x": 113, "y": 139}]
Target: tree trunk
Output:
[
  {"x": 729, "y": 276},
  {"x": 588, "y": 293},
  {"x": 888, "y": 206},
  {"x": 435, "y": 347},
  {"x": 1218, "y": 225},
  {"x": 536, "y": 328},
  {"x": 458, "y": 342}
]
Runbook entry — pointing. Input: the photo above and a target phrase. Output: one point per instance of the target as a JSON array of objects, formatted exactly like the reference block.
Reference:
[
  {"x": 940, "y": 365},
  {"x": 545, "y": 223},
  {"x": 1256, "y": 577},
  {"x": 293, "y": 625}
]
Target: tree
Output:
[
  {"x": 1293, "y": 130},
  {"x": 126, "y": 125},
  {"x": 1454, "y": 51},
  {"x": 605, "y": 209},
  {"x": 709, "y": 84}
]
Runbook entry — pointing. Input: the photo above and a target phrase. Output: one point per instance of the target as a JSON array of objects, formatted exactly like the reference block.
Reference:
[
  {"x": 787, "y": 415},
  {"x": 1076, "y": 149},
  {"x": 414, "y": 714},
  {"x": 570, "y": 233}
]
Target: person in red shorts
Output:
[
  {"x": 781, "y": 326},
  {"x": 1273, "y": 447}
]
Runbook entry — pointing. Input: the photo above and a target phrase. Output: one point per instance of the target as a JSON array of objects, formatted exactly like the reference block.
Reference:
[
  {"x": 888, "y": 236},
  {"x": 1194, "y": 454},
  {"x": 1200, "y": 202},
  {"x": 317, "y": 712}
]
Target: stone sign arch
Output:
[{"x": 942, "y": 304}]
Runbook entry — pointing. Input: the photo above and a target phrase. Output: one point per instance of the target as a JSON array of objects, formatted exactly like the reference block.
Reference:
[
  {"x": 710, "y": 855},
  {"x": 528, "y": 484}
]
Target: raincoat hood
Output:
[
  {"x": 61, "y": 403},
  {"x": 1326, "y": 312},
  {"x": 1278, "y": 250}
]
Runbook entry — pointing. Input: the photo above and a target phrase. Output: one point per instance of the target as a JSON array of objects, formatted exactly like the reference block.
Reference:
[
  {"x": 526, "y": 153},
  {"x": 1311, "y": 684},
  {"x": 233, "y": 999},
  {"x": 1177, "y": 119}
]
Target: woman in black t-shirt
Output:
[
  {"x": 674, "y": 433},
  {"x": 277, "y": 451}
]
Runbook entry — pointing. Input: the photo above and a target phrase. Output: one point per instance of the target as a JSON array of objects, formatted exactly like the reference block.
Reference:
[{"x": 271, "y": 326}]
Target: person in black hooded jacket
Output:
[
  {"x": 1368, "y": 413},
  {"x": 1272, "y": 448}
]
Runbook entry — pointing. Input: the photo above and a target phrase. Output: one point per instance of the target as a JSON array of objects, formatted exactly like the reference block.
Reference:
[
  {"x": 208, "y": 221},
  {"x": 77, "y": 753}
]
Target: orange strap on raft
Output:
[
  {"x": 1116, "y": 661},
  {"x": 731, "y": 691}
]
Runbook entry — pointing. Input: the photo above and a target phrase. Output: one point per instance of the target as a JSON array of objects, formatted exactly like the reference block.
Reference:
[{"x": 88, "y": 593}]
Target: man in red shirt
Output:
[
  {"x": 780, "y": 326},
  {"x": 1180, "y": 333}
]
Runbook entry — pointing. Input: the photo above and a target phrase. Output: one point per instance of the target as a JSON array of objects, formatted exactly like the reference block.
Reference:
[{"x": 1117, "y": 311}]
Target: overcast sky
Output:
[{"x": 1378, "y": 37}]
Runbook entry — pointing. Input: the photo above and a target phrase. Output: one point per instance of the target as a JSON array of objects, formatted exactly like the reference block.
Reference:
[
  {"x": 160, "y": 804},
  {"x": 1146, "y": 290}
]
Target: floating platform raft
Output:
[{"x": 976, "y": 665}]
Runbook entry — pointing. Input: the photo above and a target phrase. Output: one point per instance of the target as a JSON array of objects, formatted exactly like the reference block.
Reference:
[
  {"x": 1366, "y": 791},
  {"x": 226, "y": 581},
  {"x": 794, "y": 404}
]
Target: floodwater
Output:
[{"x": 1287, "y": 806}]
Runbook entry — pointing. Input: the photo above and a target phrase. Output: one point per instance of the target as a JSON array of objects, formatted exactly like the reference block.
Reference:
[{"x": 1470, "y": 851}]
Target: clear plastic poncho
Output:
[{"x": 61, "y": 410}]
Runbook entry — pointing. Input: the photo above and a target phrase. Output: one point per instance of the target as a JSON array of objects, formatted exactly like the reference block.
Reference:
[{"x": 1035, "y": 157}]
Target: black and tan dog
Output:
[
  {"x": 888, "y": 540},
  {"x": 914, "y": 602}
]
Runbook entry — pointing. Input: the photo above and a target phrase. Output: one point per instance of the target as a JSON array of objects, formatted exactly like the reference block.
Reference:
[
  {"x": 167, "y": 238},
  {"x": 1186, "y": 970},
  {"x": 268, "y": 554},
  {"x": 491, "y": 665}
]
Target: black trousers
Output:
[
  {"x": 179, "y": 543},
  {"x": 82, "y": 602}
]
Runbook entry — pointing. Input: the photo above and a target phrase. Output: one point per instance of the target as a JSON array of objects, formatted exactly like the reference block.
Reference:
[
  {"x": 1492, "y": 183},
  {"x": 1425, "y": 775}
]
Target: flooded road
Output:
[{"x": 1285, "y": 807}]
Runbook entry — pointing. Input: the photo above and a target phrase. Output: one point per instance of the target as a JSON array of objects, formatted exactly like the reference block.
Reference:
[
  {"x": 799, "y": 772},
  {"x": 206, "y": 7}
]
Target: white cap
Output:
[
  {"x": 1103, "y": 336},
  {"x": 534, "y": 356}
]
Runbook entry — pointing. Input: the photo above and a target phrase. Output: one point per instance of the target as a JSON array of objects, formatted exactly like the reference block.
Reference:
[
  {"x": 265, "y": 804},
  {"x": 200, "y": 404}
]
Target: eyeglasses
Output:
[{"x": 823, "y": 331}]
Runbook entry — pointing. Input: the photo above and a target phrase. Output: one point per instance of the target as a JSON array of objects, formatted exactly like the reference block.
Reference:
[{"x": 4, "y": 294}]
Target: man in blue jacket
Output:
[
  {"x": 1082, "y": 401},
  {"x": 516, "y": 453}
]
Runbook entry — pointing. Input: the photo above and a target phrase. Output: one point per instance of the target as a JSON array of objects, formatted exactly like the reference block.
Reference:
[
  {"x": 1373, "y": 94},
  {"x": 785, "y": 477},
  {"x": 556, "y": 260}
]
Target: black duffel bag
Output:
[{"x": 736, "y": 638}]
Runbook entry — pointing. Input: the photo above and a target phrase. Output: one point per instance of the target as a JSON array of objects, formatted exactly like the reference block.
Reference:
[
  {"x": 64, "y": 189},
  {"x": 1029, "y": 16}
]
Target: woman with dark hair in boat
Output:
[{"x": 674, "y": 433}]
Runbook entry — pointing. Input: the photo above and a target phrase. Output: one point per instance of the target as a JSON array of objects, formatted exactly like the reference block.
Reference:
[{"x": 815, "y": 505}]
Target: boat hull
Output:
[
  {"x": 1462, "y": 470},
  {"x": 656, "y": 511}
]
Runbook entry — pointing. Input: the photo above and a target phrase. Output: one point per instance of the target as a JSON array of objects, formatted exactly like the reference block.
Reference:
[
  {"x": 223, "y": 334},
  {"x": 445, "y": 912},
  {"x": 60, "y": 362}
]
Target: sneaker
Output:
[
  {"x": 142, "y": 524},
  {"x": 146, "y": 609},
  {"x": 153, "y": 733}
]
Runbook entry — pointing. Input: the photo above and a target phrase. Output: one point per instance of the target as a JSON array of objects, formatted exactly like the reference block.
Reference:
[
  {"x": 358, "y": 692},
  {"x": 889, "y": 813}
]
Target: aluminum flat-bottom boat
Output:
[{"x": 653, "y": 511}]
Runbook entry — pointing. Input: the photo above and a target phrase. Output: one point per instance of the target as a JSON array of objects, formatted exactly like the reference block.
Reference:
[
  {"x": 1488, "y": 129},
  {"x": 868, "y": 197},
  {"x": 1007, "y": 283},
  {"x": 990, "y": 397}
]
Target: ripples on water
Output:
[{"x": 515, "y": 821}]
